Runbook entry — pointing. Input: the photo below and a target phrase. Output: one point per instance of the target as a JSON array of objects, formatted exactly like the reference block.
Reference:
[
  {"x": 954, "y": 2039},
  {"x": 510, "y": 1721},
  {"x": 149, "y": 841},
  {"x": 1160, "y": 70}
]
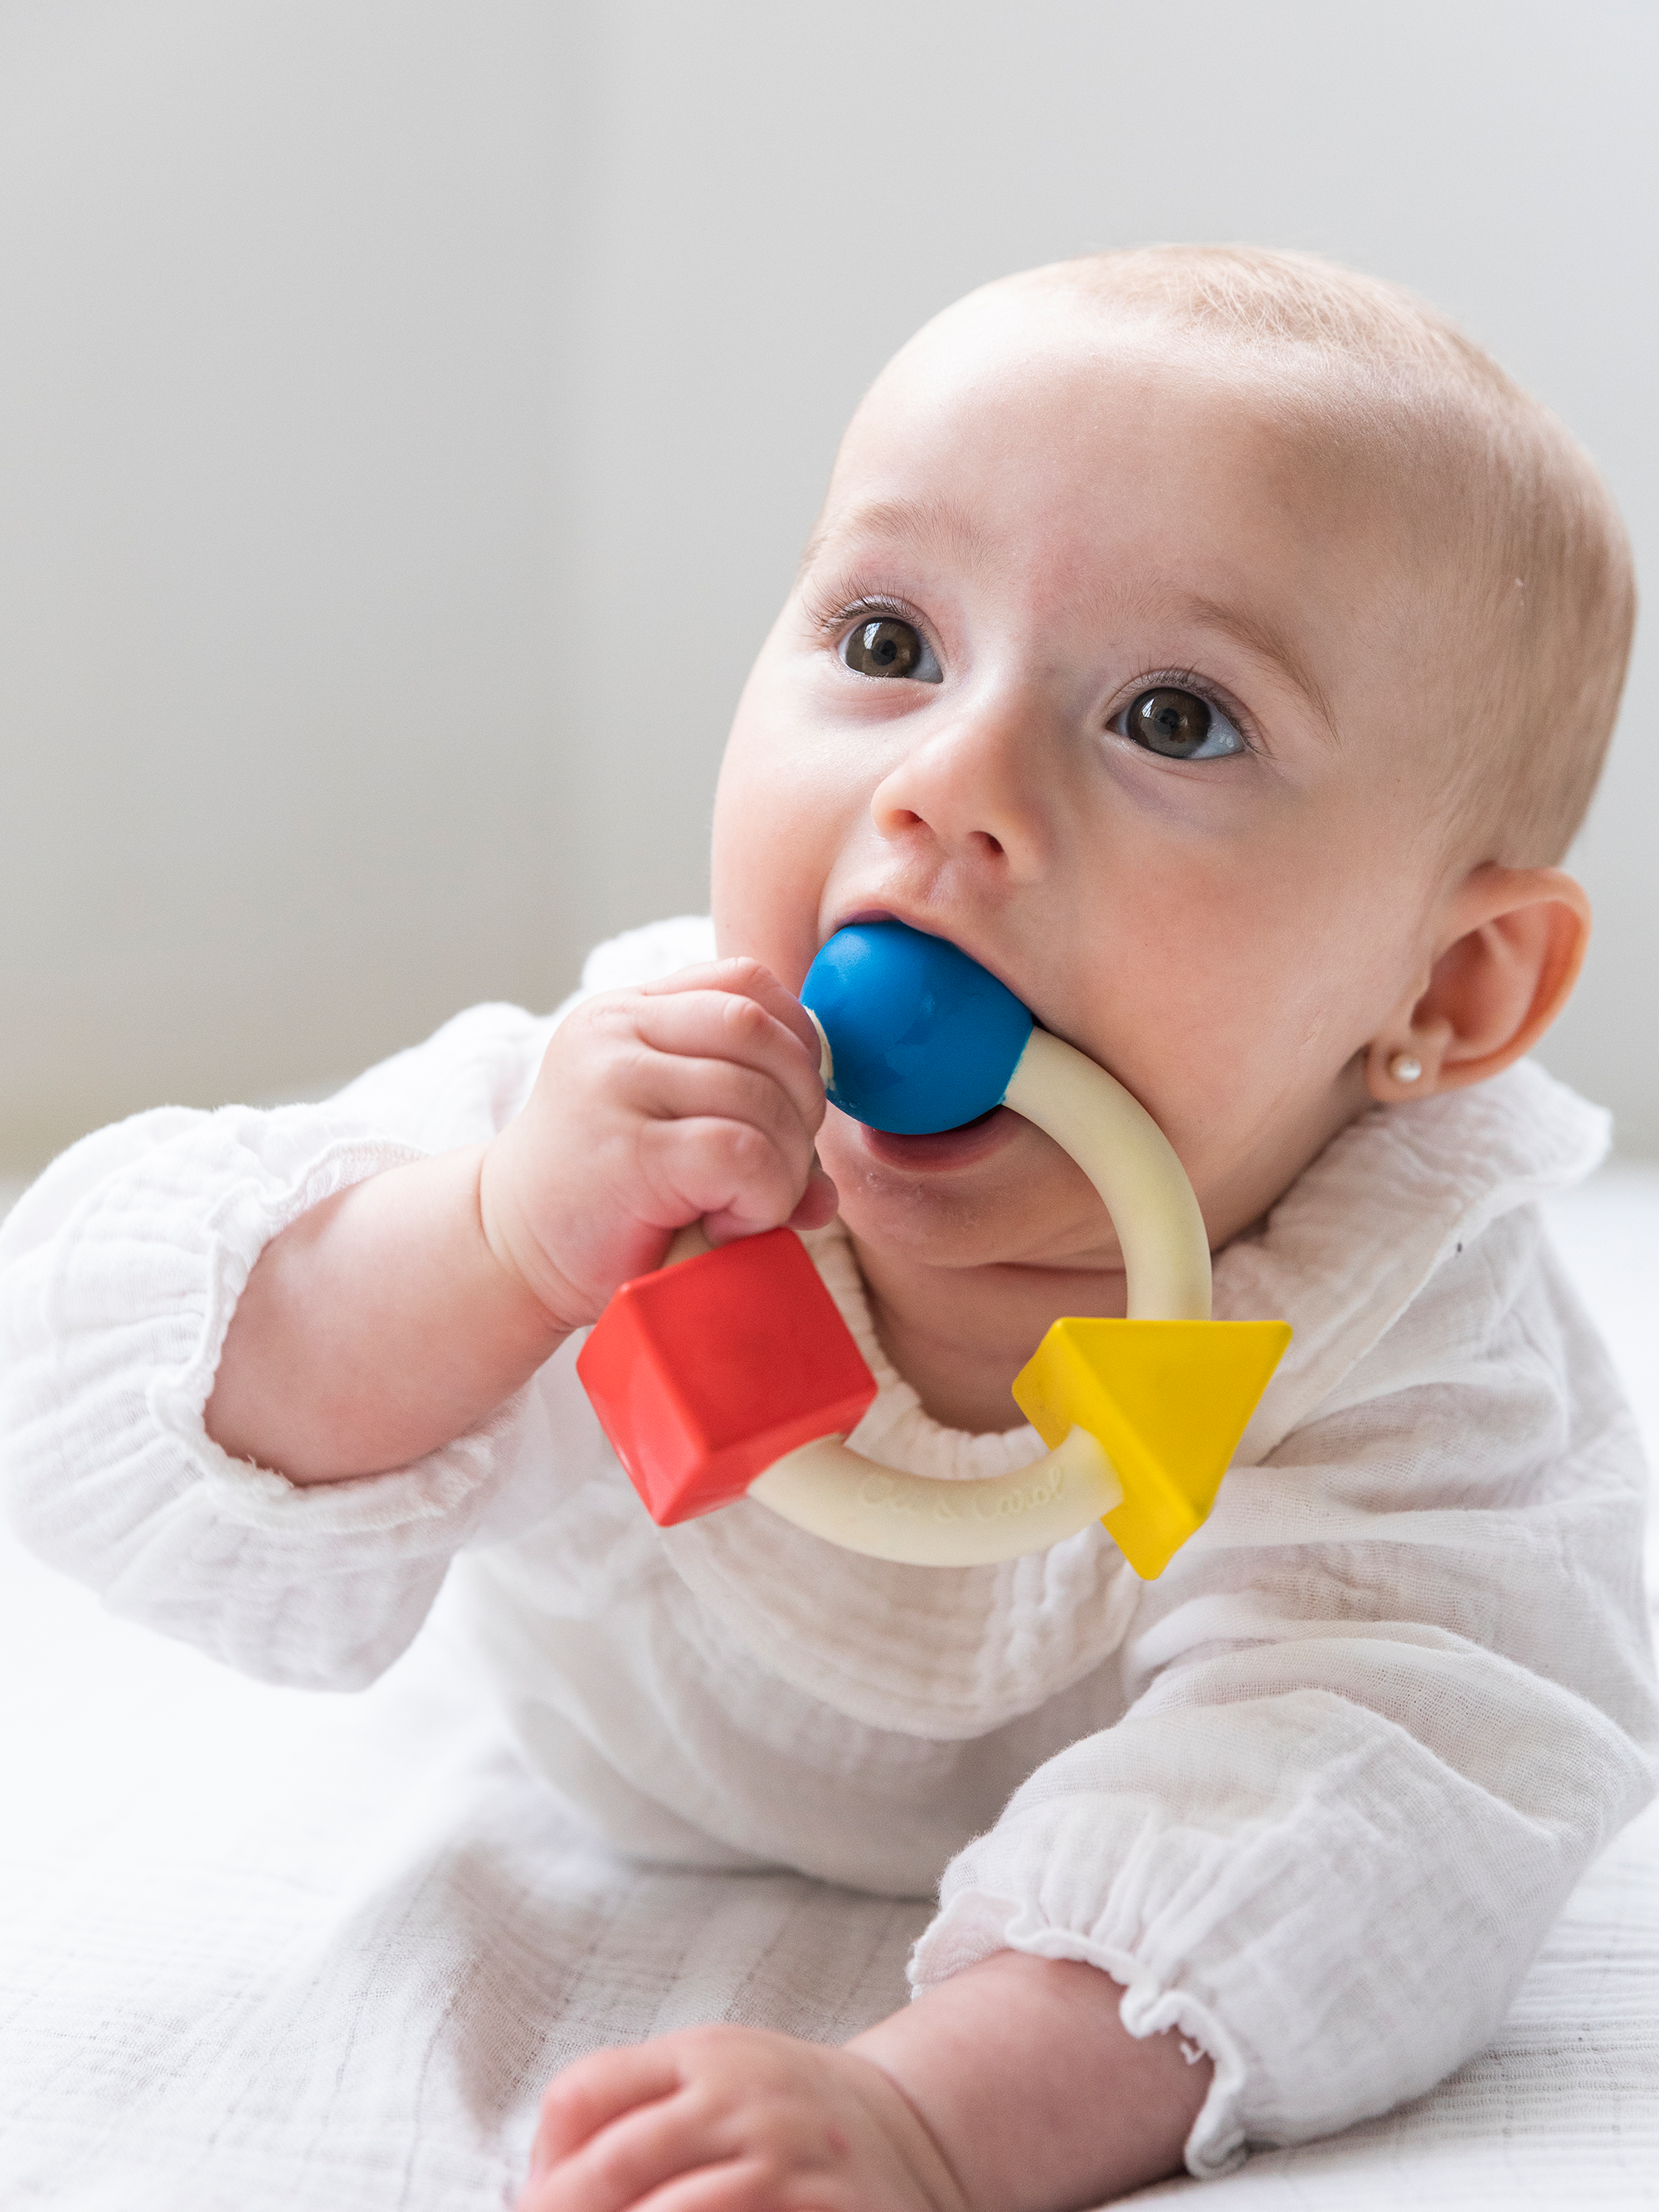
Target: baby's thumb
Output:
[{"x": 819, "y": 1201}]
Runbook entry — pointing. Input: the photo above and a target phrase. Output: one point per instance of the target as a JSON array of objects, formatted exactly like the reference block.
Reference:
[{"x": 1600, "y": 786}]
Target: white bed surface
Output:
[{"x": 263, "y": 1950}]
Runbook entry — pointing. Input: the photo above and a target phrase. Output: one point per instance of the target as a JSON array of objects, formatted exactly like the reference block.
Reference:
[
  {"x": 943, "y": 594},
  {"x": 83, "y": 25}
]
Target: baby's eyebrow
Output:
[
  {"x": 1258, "y": 635},
  {"x": 934, "y": 520}
]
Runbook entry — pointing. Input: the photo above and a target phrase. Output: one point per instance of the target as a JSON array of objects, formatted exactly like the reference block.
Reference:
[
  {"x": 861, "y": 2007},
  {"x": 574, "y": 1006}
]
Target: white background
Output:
[{"x": 410, "y": 414}]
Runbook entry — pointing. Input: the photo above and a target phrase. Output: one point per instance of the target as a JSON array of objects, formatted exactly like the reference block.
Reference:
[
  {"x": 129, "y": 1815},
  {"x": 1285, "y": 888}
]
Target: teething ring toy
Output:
[{"x": 729, "y": 1372}]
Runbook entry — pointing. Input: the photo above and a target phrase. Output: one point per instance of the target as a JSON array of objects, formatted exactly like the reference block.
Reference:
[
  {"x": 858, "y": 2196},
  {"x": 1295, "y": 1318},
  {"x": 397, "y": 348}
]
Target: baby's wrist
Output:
[
  {"x": 528, "y": 1274},
  {"x": 1035, "y": 2093},
  {"x": 375, "y": 1328},
  {"x": 924, "y": 2158},
  {"x": 490, "y": 1318}
]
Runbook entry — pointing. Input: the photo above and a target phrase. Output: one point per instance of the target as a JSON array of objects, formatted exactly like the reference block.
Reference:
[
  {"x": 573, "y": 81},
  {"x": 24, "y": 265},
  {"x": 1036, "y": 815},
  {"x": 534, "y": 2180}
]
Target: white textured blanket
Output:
[{"x": 263, "y": 1950}]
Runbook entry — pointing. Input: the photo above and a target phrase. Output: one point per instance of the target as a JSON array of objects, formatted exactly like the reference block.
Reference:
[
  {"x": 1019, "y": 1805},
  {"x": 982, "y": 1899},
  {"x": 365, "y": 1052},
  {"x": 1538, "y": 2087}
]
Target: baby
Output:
[{"x": 1221, "y": 650}]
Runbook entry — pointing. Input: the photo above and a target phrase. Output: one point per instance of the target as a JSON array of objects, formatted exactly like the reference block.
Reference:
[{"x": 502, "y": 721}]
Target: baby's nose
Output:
[{"x": 975, "y": 790}]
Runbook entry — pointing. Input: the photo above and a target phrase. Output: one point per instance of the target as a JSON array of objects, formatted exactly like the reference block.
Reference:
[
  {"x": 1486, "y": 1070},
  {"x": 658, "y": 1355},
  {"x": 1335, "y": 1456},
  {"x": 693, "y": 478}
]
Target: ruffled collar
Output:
[{"x": 1388, "y": 1202}]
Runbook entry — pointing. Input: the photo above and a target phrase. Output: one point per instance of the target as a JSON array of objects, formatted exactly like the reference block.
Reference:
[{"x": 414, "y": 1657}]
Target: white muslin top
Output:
[{"x": 1314, "y": 1798}]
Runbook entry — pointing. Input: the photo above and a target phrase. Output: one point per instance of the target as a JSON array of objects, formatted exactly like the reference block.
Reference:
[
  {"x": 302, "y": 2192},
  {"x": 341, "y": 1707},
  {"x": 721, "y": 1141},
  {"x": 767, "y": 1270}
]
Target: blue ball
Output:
[{"x": 922, "y": 1037}]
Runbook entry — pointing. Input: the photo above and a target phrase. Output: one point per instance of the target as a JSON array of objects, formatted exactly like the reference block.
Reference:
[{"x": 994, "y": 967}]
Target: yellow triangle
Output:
[{"x": 1167, "y": 1401}]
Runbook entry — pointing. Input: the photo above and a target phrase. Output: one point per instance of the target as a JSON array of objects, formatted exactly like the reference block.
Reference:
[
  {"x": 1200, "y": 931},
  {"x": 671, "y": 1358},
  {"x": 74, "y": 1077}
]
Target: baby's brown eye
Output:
[
  {"x": 1180, "y": 725},
  {"x": 890, "y": 648}
]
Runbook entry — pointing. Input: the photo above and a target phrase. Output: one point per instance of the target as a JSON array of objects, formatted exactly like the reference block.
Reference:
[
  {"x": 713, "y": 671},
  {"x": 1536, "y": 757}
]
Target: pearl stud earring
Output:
[{"x": 1405, "y": 1067}]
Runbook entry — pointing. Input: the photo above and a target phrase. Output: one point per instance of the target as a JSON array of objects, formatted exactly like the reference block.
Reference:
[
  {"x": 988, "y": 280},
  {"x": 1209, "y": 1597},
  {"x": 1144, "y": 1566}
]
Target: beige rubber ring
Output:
[
  {"x": 926, "y": 1521},
  {"x": 1134, "y": 1166},
  {"x": 918, "y": 1520}
]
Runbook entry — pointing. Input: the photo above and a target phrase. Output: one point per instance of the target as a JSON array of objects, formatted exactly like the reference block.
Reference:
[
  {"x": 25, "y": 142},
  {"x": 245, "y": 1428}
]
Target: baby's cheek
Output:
[{"x": 767, "y": 879}]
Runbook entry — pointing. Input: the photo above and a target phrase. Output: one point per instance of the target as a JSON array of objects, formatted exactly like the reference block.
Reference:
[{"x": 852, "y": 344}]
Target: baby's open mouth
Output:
[{"x": 944, "y": 1148}]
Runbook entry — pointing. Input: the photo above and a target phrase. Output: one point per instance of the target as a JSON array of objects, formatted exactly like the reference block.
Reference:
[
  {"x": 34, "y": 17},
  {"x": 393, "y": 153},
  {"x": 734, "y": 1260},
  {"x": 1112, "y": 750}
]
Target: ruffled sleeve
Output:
[
  {"x": 1382, "y": 1712},
  {"x": 119, "y": 1271}
]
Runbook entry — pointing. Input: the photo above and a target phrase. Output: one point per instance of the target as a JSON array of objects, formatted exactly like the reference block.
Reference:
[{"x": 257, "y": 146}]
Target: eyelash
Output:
[
  {"x": 830, "y": 617},
  {"x": 833, "y": 616},
  {"x": 1201, "y": 687}
]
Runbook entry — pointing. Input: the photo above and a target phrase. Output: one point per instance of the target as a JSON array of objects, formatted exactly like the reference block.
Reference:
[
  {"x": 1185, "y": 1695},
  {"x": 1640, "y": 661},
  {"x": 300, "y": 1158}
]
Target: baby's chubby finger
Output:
[
  {"x": 630, "y": 2161},
  {"x": 587, "y": 2097},
  {"x": 819, "y": 1202},
  {"x": 618, "y": 2127},
  {"x": 729, "y": 1173},
  {"x": 693, "y": 1064},
  {"x": 742, "y": 977},
  {"x": 771, "y": 1035}
]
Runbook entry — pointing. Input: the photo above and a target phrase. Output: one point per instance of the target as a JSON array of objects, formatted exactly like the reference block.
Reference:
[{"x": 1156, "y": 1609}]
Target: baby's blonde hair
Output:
[{"x": 1545, "y": 585}]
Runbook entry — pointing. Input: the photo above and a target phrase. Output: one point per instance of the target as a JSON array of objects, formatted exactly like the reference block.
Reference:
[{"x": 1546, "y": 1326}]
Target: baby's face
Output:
[{"x": 1098, "y": 670}]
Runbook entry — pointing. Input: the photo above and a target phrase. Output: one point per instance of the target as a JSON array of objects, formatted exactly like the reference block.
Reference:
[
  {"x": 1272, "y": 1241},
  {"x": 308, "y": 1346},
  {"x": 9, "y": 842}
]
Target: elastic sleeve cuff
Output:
[
  {"x": 252, "y": 1215},
  {"x": 975, "y": 1924},
  {"x": 117, "y": 1322}
]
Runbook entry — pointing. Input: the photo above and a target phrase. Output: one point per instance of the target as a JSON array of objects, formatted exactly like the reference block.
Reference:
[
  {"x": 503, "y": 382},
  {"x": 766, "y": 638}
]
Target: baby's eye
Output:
[
  {"x": 888, "y": 647},
  {"x": 1180, "y": 725}
]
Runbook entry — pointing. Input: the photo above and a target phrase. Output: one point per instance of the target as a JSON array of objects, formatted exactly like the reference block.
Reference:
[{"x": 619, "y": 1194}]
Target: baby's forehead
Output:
[
  {"x": 1024, "y": 418},
  {"x": 1044, "y": 363},
  {"x": 1092, "y": 486}
]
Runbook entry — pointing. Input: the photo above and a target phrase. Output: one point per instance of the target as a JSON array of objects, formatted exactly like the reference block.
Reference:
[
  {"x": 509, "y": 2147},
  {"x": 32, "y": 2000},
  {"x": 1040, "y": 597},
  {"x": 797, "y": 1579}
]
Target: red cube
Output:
[{"x": 703, "y": 1374}]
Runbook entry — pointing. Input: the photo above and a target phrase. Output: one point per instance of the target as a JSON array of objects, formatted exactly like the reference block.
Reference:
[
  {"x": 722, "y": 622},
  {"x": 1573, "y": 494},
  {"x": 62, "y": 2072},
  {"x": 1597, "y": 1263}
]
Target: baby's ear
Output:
[{"x": 1511, "y": 945}]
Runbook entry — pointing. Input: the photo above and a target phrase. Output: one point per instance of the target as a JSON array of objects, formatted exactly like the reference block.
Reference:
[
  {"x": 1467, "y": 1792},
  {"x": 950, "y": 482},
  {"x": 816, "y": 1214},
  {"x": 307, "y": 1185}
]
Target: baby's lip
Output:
[
  {"x": 962, "y": 1147},
  {"x": 863, "y": 914},
  {"x": 928, "y": 926}
]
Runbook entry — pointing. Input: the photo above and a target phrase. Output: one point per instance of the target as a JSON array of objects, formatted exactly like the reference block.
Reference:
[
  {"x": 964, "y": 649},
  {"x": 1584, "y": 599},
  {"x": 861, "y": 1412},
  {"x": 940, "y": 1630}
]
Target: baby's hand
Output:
[
  {"x": 743, "y": 2121},
  {"x": 1014, "y": 2086},
  {"x": 696, "y": 1097}
]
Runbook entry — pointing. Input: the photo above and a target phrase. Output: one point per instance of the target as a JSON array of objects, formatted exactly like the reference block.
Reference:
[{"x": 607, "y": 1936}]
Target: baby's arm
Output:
[
  {"x": 1381, "y": 1717},
  {"x": 1013, "y": 2087},
  {"x": 397, "y": 1314},
  {"x": 123, "y": 1271}
]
